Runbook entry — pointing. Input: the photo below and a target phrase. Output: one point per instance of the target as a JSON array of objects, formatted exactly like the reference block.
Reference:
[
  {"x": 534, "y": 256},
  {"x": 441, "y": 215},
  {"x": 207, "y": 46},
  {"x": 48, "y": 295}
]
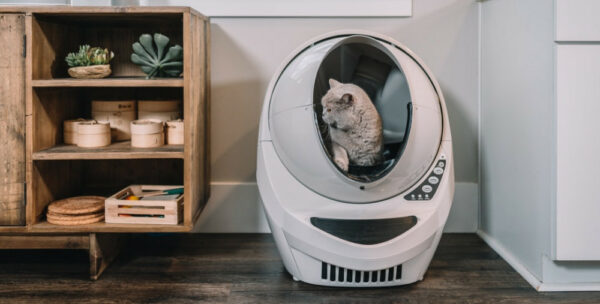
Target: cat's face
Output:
[{"x": 338, "y": 104}]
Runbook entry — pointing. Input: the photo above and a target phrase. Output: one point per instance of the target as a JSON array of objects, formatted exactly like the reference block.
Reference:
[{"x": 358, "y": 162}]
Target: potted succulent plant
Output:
[
  {"x": 89, "y": 62},
  {"x": 154, "y": 59}
]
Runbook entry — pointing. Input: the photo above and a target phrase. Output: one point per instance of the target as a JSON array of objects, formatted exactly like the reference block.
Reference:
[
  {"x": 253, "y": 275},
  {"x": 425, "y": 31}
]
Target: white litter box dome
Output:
[{"x": 402, "y": 92}]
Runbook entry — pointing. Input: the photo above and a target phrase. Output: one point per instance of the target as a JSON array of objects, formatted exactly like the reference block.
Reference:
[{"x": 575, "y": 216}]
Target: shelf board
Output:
[
  {"x": 118, "y": 150},
  {"x": 45, "y": 227},
  {"x": 13, "y": 229},
  {"x": 108, "y": 82}
]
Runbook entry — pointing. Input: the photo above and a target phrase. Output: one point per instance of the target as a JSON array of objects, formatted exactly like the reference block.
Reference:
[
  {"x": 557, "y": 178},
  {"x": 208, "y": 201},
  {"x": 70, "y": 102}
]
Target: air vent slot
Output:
[
  {"x": 331, "y": 272},
  {"x": 335, "y": 273}
]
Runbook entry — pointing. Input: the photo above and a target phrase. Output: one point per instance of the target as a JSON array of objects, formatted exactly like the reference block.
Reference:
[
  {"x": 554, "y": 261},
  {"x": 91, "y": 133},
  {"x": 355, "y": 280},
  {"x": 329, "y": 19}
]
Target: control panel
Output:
[{"x": 426, "y": 190}]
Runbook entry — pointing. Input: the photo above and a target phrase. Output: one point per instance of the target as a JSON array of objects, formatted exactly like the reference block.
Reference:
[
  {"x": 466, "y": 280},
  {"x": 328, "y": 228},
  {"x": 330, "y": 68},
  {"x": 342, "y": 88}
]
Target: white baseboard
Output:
[
  {"x": 552, "y": 287},
  {"x": 528, "y": 276},
  {"x": 233, "y": 208}
]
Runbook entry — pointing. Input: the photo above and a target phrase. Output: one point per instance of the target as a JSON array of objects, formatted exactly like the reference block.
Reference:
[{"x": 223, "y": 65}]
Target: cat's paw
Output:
[{"x": 341, "y": 163}]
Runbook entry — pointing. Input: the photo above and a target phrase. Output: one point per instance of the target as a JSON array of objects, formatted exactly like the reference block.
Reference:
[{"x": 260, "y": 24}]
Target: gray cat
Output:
[{"x": 354, "y": 125}]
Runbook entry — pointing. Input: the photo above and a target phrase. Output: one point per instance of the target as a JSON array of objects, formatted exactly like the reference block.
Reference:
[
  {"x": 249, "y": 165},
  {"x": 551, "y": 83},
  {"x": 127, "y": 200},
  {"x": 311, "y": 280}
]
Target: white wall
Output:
[{"x": 245, "y": 54}]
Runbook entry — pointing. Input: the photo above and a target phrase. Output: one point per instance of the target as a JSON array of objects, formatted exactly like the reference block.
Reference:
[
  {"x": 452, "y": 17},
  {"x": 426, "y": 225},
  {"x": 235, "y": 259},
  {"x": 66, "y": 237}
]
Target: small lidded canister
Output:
[
  {"x": 147, "y": 133},
  {"x": 118, "y": 113},
  {"x": 163, "y": 110},
  {"x": 70, "y": 130},
  {"x": 93, "y": 134},
  {"x": 175, "y": 132}
]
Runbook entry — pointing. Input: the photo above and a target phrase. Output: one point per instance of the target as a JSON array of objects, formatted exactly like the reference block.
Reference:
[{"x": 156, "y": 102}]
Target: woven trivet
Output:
[
  {"x": 77, "y": 205},
  {"x": 71, "y": 217},
  {"x": 75, "y": 220}
]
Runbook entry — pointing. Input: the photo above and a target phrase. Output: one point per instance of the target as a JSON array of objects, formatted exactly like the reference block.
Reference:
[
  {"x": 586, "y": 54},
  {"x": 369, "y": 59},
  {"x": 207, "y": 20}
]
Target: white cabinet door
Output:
[
  {"x": 577, "y": 20},
  {"x": 578, "y": 152}
]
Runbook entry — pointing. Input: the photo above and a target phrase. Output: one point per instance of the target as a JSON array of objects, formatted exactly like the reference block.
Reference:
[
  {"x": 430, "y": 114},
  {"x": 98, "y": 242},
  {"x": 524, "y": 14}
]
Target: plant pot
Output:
[{"x": 90, "y": 72}]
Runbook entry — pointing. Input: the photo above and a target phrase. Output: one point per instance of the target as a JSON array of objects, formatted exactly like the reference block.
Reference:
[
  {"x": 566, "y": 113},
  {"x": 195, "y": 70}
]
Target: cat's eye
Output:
[{"x": 328, "y": 110}]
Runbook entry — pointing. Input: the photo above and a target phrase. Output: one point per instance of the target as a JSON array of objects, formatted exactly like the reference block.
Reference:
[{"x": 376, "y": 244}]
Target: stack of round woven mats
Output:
[{"x": 77, "y": 210}]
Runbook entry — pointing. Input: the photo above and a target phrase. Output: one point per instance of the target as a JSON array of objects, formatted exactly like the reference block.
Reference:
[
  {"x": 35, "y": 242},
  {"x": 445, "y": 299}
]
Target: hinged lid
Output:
[
  {"x": 146, "y": 126},
  {"x": 70, "y": 125},
  {"x": 93, "y": 127}
]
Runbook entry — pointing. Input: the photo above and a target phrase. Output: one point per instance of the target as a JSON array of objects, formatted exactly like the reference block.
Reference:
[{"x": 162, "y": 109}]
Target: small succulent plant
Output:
[
  {"x": 87, "y": 56},
  {"x": 149, "y": 53}
]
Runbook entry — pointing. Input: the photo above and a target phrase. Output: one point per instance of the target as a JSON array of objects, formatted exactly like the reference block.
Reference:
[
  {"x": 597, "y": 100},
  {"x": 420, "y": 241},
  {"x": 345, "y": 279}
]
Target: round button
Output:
[
  {"x": 427, "y": 188},
  {"x": 438, "y": 170},
  {"x": 433, "y": 180},
  {"x": 441, "y": 164}
]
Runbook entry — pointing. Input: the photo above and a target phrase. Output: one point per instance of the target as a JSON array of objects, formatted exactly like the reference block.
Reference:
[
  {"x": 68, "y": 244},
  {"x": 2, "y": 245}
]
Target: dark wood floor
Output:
[{"x": 245, "y": 268}]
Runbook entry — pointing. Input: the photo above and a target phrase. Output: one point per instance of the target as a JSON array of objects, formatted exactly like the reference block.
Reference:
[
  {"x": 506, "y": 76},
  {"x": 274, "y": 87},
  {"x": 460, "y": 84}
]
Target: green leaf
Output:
[
  {"x": 173, "y": 73},
  {"x": 172, "y": 64},
  {"x": 161, "y": 42},
  {"x": 139, "y": 60},
  {"x": 146, "y": 42},
  {"x": 174, "y": 53},
  {"x": 148, "y": 70},
  {"x": 139, "y": 49}
]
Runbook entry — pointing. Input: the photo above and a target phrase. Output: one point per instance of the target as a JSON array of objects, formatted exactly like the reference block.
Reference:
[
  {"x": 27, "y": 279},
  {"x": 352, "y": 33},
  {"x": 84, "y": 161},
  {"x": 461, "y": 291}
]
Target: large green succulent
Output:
[
  {"x": 89, "y": 56},
  {"x": 150, "y": 55}
]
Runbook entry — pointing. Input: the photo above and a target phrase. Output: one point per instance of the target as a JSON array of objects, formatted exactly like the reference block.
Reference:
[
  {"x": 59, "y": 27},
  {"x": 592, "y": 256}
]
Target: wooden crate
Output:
[{"x": 117, "y": 210}]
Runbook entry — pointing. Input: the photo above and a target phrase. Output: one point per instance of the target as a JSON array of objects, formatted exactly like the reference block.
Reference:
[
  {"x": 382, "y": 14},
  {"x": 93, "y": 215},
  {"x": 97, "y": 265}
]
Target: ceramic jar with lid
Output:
[
  {"x": 174, "y": 132},
  {"x": 93, "y": 134},
  {"x": 147, "y": 133},
  {"x": 70, "y": 130}
]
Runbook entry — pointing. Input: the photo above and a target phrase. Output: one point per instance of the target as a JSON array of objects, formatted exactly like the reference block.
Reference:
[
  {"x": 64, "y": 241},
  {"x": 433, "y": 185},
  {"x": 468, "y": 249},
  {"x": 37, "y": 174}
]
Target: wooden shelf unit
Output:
[
  {"x": 45, "y": 227},
  {"x": 39, "y": 95},
  {"x": 118, "y": 150},
  {"x": 134, "y": 82}
]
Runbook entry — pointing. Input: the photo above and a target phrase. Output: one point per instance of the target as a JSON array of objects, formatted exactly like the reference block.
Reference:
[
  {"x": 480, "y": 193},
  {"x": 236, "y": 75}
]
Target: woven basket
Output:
[{"x": 90, "y": 72}]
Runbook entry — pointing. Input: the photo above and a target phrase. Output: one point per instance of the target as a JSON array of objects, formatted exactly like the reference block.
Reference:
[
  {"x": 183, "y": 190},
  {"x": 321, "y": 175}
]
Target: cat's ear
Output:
[
  {"x": 333, "y": 83},
  {"x": 348, "y": 98}
]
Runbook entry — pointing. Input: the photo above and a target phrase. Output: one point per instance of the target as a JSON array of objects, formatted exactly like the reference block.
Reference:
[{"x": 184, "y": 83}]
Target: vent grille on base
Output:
[{"x": 344, "y": 275}]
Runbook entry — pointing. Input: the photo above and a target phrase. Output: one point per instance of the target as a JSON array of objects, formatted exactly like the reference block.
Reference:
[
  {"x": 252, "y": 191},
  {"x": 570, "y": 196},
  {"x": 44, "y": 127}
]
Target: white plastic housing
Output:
[{"x": 297, "y": 181}]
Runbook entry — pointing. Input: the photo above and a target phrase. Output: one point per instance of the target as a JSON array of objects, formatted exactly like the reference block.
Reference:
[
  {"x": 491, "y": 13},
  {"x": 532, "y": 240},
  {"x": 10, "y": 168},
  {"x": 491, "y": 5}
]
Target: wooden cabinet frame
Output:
[{"x": 53, "y": 170}]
